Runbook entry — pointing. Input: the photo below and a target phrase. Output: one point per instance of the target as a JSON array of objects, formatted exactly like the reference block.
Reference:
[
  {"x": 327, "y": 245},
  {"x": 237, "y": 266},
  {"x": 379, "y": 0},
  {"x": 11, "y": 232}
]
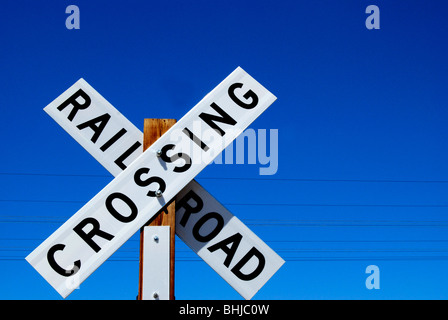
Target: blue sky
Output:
[{"x": 361, "y": 116}]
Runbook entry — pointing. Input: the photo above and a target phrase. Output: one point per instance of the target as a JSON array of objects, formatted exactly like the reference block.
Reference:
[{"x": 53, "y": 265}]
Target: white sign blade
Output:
[
  {"x": 92, "y": 121},
  {"x": 99, "y": 228},
  {"x": 223, "y": 241}
]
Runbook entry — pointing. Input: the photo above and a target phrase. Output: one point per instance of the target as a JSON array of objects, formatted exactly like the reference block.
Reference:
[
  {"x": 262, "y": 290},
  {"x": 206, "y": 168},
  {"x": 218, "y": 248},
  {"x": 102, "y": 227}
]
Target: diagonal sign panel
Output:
[
  {"x": 223, "y": 241},
  {"x": 106, "y": 134},
  {"x": 95, "y": 124},
  {"x": 99, "y": 228}
]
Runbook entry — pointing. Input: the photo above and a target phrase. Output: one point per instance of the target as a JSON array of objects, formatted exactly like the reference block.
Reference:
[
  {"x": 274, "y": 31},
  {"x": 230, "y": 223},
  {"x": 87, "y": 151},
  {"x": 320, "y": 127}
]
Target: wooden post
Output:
[{"x": 153, "y": 129}]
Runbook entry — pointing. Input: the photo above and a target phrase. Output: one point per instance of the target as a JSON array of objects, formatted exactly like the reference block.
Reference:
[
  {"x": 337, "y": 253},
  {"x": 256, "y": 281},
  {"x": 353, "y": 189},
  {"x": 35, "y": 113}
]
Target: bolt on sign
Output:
[{"x": 146, "y": 181}]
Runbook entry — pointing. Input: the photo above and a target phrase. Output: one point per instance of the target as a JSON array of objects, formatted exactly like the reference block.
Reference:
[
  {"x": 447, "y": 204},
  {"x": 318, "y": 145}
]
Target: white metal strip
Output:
[{"x": 156, "y": 263}]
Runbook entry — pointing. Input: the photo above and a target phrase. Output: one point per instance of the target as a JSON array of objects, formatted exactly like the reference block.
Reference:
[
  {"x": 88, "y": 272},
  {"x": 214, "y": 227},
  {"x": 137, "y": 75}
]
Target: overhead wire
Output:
[
  {"x": 272, "y": 222},
  {"x": 260, "y": 204},
  {"x": 234, "y": 178},
  {"x": 268, "y": 222}
]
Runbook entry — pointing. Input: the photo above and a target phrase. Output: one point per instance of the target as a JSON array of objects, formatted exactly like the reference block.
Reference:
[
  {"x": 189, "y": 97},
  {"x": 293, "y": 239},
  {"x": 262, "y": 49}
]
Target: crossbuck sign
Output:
[{"x": 146, "y": 182}]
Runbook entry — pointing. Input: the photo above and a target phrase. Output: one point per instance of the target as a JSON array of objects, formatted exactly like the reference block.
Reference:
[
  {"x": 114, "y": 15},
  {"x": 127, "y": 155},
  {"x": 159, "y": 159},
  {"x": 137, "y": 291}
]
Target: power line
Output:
[
  {"x": 54, "y": 175},
  {"x": 358, "y": 241},
  {"x": 345, "y": 222},
  {"x": 270, "y": 223},
  {"x": 263, "y": 204},
  {"x": 340, "y": 205},
  {"x": 42, "y": 201},
  {"x": 291, "y": 241},
  {"x": 291, "y": 259},
  {"x": 404, "y": 258},
  {"x": 287, "y": 251},
  {"x": 232, "y": 178},
  {"x": 260, "y": 220}
]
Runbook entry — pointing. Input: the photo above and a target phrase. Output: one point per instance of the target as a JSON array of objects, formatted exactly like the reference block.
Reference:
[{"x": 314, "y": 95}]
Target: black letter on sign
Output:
[
  {"x": 183, "y": 203},
  {"x": 115, "y": 213},
  {"x": 114, "y": 139},
  {"x": 97, "y": 129},
  {"x": 75, "y": 104},
  {"x": 247, "y": 95},
  {"x": 147, "y": 182},
  {"x": 223, "y": 245},
  {"x": 127, "y": 153},
  {"x": 58, "y": 268},
  {"x": 87, "y": 237},
  {"x": 210, "y": 119},
  {"x": 261, "y": 262},
  {"x": 175, "y": 157},
  {"x": 211, "y": 215},
  {"x": 195, "y": 139}
]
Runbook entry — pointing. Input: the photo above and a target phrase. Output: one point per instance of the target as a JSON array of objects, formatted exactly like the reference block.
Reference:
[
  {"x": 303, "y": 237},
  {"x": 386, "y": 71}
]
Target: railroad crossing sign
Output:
[{"x": 146, "y": 181}]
